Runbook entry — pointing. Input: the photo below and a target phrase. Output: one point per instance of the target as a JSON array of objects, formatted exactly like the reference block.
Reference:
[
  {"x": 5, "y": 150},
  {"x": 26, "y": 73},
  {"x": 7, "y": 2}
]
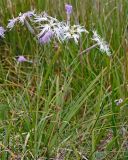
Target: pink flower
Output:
[
  {"x": 2, "y": 31},
  {"x": 21, "y": 59}
]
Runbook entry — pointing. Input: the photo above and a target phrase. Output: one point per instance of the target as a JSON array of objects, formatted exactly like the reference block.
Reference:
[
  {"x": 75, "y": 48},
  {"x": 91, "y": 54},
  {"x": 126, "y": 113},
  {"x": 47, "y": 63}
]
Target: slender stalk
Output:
[
  {"x": 84, "y": 51},
  {"x": 68, "y": 19},
  {"x": 88, "y": 49}
]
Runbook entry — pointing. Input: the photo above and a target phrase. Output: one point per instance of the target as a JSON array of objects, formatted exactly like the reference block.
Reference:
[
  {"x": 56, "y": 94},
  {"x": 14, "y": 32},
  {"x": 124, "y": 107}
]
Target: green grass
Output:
[{"x": 60, "y": 106}]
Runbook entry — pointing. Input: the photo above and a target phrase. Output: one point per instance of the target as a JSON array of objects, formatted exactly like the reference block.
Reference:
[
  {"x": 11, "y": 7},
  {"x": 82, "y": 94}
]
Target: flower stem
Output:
[
  {"x": 88, "y": 49},
  {"x": 68, "y": 19}
]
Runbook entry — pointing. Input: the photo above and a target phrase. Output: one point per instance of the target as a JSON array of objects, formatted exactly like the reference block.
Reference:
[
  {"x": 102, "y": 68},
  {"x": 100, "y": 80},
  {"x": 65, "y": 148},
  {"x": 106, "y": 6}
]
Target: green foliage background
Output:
[{"x": 62, "y": 106}]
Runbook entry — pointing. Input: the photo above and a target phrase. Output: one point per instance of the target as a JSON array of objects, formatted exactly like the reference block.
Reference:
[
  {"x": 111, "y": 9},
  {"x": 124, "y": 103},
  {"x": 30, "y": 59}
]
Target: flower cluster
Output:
[
  {"x": 52, "y": 28},
  {"x": 48, "y": 27},
  {"x": 45, "y": 28}
]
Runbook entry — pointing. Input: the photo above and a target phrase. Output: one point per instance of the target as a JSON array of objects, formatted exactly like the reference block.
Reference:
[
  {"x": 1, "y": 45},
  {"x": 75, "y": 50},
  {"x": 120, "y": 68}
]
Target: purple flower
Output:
[
  {"x": 46, "y": 37},
  {"x": 21, "y": 59},
  {"x": 11, "y": 23},
  {"x": 118, "y": 101},
  {"x": 2, "y": 31},
  {"x": 29, "y": 14},
  {"x": 68, "y": 8}
]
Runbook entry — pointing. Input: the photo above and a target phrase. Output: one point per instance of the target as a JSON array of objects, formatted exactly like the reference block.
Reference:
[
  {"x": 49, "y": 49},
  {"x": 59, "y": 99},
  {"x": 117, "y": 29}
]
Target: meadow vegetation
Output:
[{"x": 63, "y": 106}]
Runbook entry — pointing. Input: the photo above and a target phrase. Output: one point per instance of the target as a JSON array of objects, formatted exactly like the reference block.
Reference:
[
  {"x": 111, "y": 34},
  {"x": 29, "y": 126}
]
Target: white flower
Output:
[
  {"x": 23, "y": 16},
  {"x": 40, "y": 19},
  {"x": 104, "y": 47},
  {"x": 44, "y": 17},
  {"x": 59, "y": 31},
  {"x": 74, "y": 32}
]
